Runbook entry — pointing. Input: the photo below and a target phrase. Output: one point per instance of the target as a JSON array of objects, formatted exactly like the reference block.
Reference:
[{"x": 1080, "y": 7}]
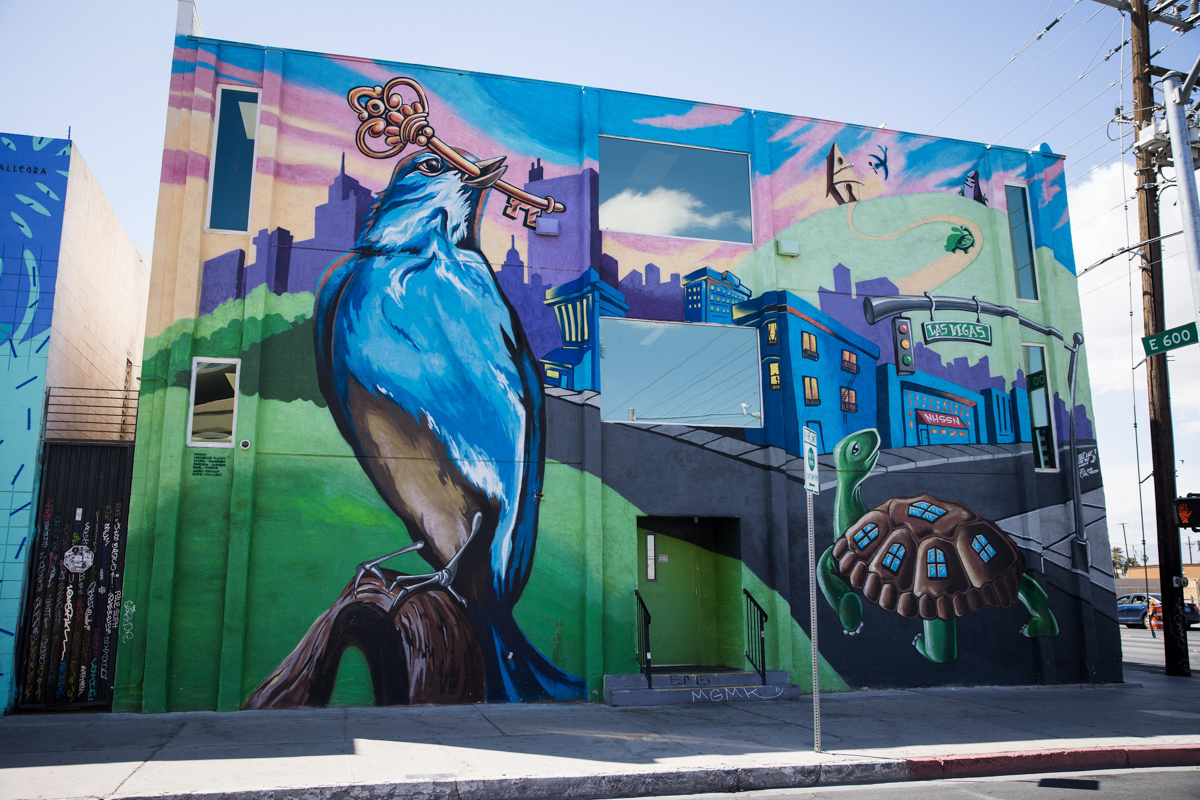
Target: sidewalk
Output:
[{"x": 580, "y": 750}]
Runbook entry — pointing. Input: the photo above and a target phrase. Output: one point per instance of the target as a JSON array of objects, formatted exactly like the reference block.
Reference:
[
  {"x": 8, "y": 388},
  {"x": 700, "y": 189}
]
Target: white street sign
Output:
[{"x": 811, "y": 482}]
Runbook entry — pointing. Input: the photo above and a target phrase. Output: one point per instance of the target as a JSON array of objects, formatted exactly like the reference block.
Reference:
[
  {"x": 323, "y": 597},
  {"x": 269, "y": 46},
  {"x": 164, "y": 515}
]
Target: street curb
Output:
[
  {"x": 1022, "y": 762},
  {"x": 706, "y": 781}
]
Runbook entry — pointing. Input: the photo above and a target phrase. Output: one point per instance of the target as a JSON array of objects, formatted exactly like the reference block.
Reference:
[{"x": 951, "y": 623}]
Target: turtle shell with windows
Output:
[{"x": 920, "y": 557}]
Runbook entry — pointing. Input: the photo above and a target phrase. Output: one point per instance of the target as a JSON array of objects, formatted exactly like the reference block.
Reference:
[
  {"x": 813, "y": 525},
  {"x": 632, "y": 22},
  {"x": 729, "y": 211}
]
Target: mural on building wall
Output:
[
  {"x": 33, "y": 188},
  {"x": 458, "y": 355},
  {"x": 920, "y": 557}
]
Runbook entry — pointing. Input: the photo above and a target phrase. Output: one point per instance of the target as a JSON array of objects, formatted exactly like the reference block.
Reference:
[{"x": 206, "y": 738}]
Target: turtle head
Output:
[{"x": 858, "y": 452}]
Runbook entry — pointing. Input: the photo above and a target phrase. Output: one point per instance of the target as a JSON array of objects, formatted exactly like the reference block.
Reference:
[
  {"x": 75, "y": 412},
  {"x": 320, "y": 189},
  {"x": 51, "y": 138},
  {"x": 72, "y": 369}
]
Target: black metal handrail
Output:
[
  {"x": 643, "y": 653},
  {"x": 756, "y": 636}
]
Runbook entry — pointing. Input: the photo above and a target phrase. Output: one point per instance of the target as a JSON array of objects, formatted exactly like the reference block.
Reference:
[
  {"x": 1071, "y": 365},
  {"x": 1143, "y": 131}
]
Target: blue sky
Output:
[{"x": 103, "y": 69}]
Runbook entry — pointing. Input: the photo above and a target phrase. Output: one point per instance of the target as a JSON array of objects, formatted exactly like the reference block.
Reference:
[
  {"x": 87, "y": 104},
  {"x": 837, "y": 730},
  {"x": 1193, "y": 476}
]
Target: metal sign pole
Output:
[
  {"x": 812, "y": 605},
  {"x": 812, "y": 485}
]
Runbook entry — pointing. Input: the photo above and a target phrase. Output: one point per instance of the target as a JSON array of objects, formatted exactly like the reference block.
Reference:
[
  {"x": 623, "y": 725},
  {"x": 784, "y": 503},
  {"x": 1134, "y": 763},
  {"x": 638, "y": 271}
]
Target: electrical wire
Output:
[
  {"x": 1026, "y": 72},
  {"x": 1028, "y": 43},
  {"x": 1041, "y": 108}
]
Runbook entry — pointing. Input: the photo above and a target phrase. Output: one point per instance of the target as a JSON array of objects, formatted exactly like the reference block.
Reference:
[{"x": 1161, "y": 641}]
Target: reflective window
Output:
[
  {"x": 232, "y": 171},
  {"x": 894, "y": 557},
  {"x": 1022, "y": 241},
  {"x": 212, "y": 417},
  {"x": 651, "y": 557},
  {"x": 679, "y": 373},
  {"x": 1037, "y": 381},
  {"x": 670, "y": 190}
]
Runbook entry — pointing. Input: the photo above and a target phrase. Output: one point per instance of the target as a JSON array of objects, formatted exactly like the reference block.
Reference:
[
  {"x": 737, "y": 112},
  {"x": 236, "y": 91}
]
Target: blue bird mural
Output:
[{"x": 432, "y": 382}]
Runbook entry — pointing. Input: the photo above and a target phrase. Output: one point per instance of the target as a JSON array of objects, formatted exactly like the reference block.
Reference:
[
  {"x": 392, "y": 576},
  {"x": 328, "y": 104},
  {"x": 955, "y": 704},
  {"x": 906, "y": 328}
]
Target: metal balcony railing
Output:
[{"x": 76, "y": 413}]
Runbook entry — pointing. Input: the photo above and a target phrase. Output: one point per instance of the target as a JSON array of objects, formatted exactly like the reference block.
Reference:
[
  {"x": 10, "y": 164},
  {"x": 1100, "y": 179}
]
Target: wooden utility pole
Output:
[{"x": 1162, "y": 437}]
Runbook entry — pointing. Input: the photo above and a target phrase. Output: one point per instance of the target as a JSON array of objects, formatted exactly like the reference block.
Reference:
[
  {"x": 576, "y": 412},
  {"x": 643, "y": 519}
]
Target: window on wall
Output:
[
  {"x": 1022, "y": 241},
  {"x": 812, "y": 395},
  {"x": 212, "y": 416},
  {"x": 808, "y": 344},
  {"x": 773, "y": 375},
  {"x": 849, "y": 400},
  {"x": 1037, "y": 382},
  {"x": 772, "y": 332},
  {"x": 850, "y": 361},
  {"x": 231, "y": 175},
  {"x": 679, "y": 373},
  {"x": 651, "y": 557},
  {"x": 672, "y": 190}
]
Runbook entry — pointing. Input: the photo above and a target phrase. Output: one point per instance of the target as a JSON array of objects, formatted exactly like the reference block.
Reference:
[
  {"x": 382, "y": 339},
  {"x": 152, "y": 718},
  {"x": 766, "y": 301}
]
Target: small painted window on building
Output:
[
  {"x": 774, "y": 380},
  {"x": 232, "y": 172},
  {"x": 212, "y": 416},
  {"x": 849, "y": 400},
  {"x": 812, "y": 394},
  {"x": 651, "y": 557},
  {"x": 1021, "y": 232},
  {"x": 850, "y": 361},
  {"x": 1037, "y": 383},
  {"x": 772, "y": 332},
  {"x": 808, "y": 345}
]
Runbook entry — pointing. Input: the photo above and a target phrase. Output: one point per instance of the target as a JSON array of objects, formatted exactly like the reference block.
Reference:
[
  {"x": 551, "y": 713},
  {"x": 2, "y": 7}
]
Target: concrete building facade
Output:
[{"x": 361, "y": 484}]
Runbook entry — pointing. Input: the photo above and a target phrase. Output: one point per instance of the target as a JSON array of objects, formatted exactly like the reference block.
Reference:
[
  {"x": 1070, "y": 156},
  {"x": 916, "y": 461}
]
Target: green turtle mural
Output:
[{"x": 920, "y": 556}]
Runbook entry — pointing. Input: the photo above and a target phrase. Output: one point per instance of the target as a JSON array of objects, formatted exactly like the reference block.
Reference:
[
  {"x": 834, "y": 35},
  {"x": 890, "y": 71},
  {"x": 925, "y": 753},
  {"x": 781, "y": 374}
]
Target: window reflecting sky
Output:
[
  {"x": 679, "y": 373},
  {"x": 668, "y": 190}
]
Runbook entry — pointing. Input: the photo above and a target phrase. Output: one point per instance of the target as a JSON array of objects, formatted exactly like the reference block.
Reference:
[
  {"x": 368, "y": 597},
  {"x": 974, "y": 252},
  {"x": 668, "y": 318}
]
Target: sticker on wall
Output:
[{"x": 78, "y": 559}]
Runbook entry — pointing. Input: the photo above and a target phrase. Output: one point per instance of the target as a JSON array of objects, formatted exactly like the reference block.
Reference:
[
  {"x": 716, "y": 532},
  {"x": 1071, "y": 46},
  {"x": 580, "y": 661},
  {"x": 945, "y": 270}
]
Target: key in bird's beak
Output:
[{"x": 489, "y": 172}]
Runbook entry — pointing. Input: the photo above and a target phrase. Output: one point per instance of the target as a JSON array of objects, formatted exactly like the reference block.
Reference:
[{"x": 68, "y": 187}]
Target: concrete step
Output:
[
  {"x": 692, "y": 679},
  {"x": 701, "y": 694}
]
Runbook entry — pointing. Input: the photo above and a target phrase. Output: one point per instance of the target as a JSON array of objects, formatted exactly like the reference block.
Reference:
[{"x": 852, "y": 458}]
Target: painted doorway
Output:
[{"x": 690, "y": 577}]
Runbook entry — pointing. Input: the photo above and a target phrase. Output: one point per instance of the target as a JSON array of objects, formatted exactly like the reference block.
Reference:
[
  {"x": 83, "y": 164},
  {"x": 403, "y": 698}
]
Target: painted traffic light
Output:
[
  {"x": 1187, "y": 512},
  {"x": 902, "y": 340}
]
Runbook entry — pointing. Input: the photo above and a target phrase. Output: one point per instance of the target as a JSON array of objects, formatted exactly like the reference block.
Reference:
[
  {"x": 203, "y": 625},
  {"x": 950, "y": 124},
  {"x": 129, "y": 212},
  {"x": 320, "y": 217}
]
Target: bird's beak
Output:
[{"x": 489, "y": 172}]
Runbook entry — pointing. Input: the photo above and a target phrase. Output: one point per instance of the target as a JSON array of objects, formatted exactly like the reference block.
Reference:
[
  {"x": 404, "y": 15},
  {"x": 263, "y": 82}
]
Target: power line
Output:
[
  {"x": 1028, "y": 42},
  {"x": 1083, "y": 75},
  {"x": 1026, "y": 72}
]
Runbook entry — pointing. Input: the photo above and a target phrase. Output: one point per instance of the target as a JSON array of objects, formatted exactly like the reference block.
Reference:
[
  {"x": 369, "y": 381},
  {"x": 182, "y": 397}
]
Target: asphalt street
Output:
[
  {"x": 1143, "y": 652},
  {"x": 1177, "y": 783}
]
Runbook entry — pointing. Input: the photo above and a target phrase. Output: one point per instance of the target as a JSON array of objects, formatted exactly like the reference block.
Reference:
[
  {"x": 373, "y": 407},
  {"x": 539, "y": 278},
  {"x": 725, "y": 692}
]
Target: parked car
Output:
[{"x": 1133, "y": 610}]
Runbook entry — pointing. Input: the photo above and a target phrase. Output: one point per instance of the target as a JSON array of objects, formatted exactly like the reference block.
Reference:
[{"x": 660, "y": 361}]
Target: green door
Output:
[{"x": 669, "y": 582}]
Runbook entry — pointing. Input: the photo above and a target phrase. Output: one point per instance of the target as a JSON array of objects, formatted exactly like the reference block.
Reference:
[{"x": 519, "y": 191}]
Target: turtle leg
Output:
[
  {"x": 1033, "y": 597},
  {"x": 939, "y": 641},
  {"x": 841, "y": 597}
]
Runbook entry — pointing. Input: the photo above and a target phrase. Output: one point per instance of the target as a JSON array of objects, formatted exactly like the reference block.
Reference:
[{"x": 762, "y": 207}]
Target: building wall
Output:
[
  {"x": 221, "y": 538},
  {"x": 100, "y": 293},
  {"x": 33, "y": 188}
]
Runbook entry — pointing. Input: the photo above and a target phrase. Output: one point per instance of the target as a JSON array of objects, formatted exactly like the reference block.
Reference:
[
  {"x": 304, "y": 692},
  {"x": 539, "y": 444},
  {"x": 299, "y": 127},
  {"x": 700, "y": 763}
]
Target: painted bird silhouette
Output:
[{"x": 431, "y": 380}]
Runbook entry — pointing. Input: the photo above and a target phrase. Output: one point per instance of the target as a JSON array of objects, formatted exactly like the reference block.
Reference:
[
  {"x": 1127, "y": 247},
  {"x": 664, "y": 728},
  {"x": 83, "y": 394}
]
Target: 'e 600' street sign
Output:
[
  {"x": 1169, "y": 340},
  {"x": 976, "y": 332}
]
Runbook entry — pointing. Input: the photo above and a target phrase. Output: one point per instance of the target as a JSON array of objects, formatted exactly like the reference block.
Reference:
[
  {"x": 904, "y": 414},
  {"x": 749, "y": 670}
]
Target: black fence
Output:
[
  {"x": 79, "y": 414},
  {"x": 74, "y": 612}
]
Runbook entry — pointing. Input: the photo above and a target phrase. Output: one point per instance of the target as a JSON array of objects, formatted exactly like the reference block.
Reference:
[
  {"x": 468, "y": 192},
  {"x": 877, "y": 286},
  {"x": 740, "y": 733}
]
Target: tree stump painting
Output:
[{"x": 424, "y": 651}]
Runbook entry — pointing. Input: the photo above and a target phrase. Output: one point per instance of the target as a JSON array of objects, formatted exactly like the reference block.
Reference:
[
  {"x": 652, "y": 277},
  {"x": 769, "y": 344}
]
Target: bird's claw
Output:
[
  {"x": 442, "y": 578},
  {"x": 373, "y": 566}
]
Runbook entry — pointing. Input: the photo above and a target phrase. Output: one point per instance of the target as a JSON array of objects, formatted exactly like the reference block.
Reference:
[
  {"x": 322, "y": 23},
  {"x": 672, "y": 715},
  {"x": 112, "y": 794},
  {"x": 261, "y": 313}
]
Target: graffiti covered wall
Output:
[
  {"x": 33, "y": 186},
  {"x": 439, "y": 448}
]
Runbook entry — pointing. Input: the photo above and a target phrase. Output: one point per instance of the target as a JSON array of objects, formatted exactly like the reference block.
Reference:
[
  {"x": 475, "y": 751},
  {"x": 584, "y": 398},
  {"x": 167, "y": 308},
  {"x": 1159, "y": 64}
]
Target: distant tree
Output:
[{"x": 1118, "y": 559}]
